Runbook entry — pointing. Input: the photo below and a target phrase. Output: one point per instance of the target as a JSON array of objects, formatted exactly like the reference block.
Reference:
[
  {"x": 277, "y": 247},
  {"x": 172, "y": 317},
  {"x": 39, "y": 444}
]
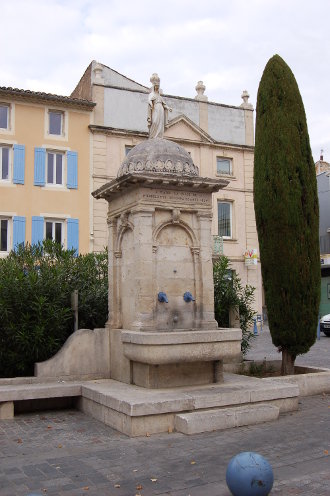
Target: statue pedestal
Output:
[{"x": 160, "y": 241}]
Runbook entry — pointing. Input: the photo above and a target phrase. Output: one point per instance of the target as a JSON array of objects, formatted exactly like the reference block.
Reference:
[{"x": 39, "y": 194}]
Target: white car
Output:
[{"x": 325, "y": 324}]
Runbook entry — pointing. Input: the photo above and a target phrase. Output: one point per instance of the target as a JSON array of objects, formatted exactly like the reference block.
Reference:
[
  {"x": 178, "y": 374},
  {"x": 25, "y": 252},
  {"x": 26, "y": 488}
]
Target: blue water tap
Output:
[
  {"x": 162, "y": 297},
  {"x": 188, "y": 297}
]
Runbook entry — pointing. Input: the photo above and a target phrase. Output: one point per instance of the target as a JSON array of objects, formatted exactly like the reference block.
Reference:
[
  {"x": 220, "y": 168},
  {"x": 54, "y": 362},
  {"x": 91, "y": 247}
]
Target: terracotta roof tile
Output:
[{"x": 47, "y": 96}]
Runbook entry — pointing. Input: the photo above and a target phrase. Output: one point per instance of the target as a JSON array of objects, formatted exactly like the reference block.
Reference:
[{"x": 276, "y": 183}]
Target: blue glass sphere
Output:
[{"x": 249, "y": 474}]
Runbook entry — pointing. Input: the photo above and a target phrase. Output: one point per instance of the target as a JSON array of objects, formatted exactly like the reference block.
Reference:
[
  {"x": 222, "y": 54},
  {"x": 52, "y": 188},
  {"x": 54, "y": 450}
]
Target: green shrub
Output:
[
  {"x": 36, "y": 318},
  {"x": 229, "y": 293}
]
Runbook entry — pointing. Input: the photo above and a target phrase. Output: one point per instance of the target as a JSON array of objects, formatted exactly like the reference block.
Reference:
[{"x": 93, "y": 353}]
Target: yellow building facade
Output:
[{"x": 45, "y": 169}]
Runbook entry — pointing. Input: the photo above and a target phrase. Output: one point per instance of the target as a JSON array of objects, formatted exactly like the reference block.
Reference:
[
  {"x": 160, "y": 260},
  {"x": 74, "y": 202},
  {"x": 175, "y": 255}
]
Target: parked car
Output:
[{"x": 325, "y": 324}]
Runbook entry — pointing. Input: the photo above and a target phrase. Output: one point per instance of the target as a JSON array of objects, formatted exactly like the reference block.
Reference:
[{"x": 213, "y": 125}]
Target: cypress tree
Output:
[{"x": 287, "y": 213}]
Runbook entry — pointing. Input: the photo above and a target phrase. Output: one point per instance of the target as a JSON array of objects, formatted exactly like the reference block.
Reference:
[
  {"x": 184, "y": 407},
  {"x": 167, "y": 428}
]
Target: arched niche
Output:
[{"x": 175, "y": 273}]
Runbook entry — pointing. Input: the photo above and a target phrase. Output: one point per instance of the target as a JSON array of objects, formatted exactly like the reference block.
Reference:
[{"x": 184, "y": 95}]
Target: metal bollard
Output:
[
  {"x": 255, "y": 328},
  {"x": 259, "y": 319}
]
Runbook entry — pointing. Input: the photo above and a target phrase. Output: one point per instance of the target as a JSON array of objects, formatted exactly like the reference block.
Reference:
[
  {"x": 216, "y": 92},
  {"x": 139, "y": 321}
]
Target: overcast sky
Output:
[{"x": 46, "y": 45}]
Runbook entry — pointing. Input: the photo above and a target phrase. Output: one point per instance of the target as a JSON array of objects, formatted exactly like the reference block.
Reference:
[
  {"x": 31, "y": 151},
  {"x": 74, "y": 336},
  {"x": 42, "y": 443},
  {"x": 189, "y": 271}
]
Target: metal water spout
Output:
[
  {"x": 188, "y": 297},
  {"x": 162, "y": 297}
]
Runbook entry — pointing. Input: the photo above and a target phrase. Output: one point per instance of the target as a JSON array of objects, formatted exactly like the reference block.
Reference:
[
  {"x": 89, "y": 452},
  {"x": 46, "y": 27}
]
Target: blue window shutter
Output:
[
  {"x": 37, "y": 230},
  {"x": 72, "y": 170},
  {"x": 73, "y": 235},
  {"x": 19, "y": 164},
  {"x": 18, "y": 231},
  {"x": 39, "y": 166}
]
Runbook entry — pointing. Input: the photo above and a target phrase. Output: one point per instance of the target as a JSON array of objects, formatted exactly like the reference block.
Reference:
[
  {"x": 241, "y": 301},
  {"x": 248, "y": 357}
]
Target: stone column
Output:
[
  {"x": 207, "y": 288},
  {"x": 199, "y": 286},
  {"x": 114, "y": 314},
  {"x": 145, "y": 300}
]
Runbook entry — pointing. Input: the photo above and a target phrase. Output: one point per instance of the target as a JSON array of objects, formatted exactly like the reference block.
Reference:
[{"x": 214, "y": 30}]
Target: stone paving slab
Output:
[{"x": 66, "y": 453}]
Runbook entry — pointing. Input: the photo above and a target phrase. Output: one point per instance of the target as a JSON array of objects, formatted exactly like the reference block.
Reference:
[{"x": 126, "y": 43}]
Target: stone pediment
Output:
[{"x": 181, "y": 127}]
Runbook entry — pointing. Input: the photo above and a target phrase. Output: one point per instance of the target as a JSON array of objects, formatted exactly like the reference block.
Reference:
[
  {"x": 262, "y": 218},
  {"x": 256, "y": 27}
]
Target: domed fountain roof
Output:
[{"x": 159, "y": 156}]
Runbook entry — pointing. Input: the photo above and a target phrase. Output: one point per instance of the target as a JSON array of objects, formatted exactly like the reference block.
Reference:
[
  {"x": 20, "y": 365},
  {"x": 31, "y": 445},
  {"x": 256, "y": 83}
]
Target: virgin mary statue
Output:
[{"x": 157, "y": 110}]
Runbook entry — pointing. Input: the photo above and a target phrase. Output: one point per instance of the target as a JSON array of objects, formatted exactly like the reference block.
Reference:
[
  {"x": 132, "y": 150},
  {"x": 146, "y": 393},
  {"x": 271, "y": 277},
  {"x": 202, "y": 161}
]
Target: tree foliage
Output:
[
  {"x": 286, "y": 207},
  {"x": 36, "y": 318},
  {"x": 229, "y": 293}
]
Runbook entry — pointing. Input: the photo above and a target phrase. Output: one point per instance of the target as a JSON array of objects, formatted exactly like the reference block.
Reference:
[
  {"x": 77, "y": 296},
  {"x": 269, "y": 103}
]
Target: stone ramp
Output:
[{"x": 225, "y": 418}]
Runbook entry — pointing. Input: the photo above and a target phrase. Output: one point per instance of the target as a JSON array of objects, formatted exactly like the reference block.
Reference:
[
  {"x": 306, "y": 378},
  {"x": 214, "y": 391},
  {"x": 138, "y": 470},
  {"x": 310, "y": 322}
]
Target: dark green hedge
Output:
[{"x": 36, "y": 283}]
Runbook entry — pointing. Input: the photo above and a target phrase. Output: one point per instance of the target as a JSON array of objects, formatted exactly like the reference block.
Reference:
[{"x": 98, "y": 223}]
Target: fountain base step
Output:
[
  {"x": 137, "y": 411},
  {"x": 225, "y": 418}
]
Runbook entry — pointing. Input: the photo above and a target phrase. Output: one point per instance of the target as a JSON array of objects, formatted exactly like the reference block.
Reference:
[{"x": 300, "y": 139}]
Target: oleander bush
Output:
[
  {"x": 229, "y": 292},
  {"x": 36, "y": 283}
]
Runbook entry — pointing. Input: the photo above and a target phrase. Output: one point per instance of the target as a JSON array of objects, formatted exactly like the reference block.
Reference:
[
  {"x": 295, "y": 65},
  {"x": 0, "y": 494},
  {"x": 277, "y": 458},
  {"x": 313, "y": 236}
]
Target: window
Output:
[
  {"x": 54, "y": 168},
  {"x": 224, "y": 166},
  {"x": 225, "y": 219},
  {"x": 4, "y": 163},
  {"x": 4, "y": 116},
  {"x": 61, "y": 230},
  {"x": 55, "y": 122},
  {"x": 4, "y": 235},
  {"x": 128, "y": 149},
  {"x": 12, "y": 164},
  {"x": 54, "y": 230},
  {"x": 12, "y": 233}
]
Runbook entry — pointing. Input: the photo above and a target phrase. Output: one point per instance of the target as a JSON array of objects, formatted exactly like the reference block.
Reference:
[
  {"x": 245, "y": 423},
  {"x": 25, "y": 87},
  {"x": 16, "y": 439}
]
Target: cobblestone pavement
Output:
[
  {"x": 67, "y": 453},
  {"x": 262, "y": 347}
]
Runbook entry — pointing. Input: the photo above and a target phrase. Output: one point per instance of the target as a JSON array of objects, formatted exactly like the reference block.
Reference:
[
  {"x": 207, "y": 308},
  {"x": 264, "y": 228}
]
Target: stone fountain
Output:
[{"x": 161, "y": 320}]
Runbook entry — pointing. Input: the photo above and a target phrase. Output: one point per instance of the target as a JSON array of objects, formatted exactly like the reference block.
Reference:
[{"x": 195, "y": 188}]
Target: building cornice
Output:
[{"x": 95, "y": 129}]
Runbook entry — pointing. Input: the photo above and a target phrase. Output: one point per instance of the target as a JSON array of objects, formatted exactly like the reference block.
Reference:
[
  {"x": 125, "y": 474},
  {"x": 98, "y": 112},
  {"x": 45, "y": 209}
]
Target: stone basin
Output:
[{"x": 169, "y": 347}]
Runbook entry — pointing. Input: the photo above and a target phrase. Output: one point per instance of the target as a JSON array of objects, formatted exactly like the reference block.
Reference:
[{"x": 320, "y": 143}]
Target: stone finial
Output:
[
  {"x": 245, "y": 97},
  {"x": 98, "y": 73},
  {"x": 200, "y": 88}
]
